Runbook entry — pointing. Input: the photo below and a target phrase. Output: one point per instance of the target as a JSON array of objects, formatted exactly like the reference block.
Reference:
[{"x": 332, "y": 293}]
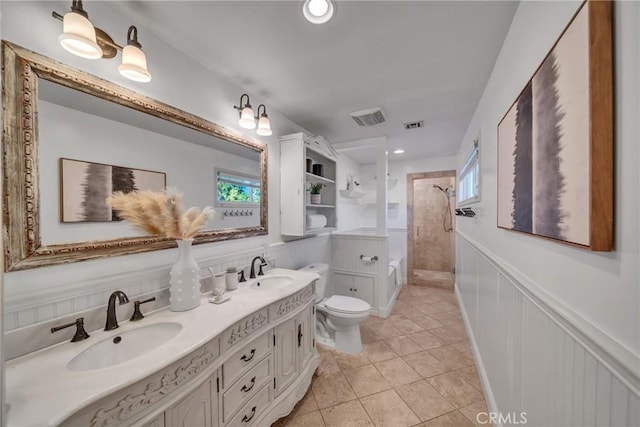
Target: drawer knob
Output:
[
  {"x": 246, "y": 358},
  {"x": 248, "y": 389},
  {"x": 246, "y": 419}
]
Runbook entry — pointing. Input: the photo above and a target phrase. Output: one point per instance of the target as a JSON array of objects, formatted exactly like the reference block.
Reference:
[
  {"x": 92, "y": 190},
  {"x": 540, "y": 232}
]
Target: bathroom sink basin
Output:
[
  {"x": 272, "y": 282},
  {"x": 125, "y": 346}
]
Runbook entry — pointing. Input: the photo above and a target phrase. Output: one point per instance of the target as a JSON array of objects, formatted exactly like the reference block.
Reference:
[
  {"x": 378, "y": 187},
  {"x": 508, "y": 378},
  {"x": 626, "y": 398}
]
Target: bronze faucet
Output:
[
  {"x": 112, "y": 320},
  {"x": 253, "y": 271}
]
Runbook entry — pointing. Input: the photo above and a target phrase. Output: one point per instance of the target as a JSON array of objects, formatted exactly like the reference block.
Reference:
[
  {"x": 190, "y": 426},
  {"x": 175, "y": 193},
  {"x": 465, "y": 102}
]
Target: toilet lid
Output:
[{"x": 345, "y": 304}]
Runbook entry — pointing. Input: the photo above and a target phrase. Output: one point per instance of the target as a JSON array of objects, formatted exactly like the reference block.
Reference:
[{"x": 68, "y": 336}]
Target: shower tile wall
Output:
[{"x": 433, "y": 246}]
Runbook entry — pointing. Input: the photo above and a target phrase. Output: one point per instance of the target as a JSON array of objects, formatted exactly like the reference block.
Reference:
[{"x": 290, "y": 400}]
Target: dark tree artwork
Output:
[
  {"x": 523, "y": 164},
  {"x": 548, "y": 216},
  {"x": 95, "y": 192},
  {"x": 122, "y": 179}
]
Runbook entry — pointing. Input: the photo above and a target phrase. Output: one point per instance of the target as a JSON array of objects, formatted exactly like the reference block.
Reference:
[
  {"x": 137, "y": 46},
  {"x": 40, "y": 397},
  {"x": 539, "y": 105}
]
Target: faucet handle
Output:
[
  {"x": 137, "y": 314},
  {"x": 241, "y": 274},
  {"x": 260, "y": 272},
  {"x": 80, "y": 334}
]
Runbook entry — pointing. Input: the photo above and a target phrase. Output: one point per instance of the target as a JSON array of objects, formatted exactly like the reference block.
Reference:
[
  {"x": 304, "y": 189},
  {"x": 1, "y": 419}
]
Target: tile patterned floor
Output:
[{"x": 416, "y": 369}]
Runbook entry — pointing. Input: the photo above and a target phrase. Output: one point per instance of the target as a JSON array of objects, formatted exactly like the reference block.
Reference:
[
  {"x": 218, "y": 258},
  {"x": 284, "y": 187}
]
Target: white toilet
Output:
[{"x": 338, "y": 317}]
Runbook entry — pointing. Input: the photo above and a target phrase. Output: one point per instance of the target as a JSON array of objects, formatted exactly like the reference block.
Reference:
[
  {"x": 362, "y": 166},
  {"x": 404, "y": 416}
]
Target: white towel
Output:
[
  {"x": 316, "y": 221},
  {"x": 395, "y": 264}
]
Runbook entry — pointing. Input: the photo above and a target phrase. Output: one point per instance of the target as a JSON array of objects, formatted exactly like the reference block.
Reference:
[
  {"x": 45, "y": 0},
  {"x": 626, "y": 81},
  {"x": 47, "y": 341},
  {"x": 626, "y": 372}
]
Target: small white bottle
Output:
[{"x": 231, "y": 278}]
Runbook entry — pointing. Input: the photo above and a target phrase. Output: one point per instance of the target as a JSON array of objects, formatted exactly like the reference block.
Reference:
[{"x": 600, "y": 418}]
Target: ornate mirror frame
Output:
[{"x": 22, "y": 69}]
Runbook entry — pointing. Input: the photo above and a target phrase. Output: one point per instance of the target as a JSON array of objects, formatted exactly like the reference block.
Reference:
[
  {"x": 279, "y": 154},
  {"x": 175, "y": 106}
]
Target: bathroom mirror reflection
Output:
[{"x": 72, "y": 138}]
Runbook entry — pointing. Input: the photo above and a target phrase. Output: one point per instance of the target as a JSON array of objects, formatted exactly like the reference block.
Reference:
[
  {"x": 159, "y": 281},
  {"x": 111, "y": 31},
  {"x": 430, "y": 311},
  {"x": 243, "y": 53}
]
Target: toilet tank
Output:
[{"x": 321, "y": 284}]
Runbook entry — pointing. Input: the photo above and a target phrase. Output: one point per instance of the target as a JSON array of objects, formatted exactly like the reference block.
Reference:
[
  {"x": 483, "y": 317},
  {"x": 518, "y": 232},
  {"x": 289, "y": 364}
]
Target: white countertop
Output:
[{"x": 42, "y": 391}]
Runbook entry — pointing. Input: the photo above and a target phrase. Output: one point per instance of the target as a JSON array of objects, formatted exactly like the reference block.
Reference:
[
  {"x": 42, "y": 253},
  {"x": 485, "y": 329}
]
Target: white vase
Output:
[
  {"x": 316, "y": 199},
  {"x": 184, "y": 293}
]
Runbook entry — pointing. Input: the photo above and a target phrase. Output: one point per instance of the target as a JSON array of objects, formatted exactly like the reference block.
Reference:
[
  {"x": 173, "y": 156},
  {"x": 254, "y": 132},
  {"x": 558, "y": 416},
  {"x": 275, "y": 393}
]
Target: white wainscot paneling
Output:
[{"x": 531, "y": 360}]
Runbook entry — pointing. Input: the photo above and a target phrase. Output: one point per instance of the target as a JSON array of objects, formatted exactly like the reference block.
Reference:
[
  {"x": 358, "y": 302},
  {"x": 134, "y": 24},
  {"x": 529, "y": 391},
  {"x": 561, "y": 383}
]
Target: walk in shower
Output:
[{"x": 430, "y": 235}]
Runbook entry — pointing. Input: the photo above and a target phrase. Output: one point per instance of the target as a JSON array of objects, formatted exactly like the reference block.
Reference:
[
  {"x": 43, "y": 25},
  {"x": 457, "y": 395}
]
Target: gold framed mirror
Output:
[{"x": 34, "y": 233}]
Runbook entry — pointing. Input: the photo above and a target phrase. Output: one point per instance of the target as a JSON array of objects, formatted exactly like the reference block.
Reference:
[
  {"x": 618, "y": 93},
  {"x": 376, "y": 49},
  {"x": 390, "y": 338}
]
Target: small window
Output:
[
  {"x": 469, "y": 178},
  {"x": 237, "y": 189}
]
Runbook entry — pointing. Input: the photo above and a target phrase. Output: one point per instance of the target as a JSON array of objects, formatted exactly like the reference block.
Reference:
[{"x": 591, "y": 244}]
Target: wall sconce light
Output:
[
  {"x": 248, "y": 120},
  {"x": 81, "y": 38}
]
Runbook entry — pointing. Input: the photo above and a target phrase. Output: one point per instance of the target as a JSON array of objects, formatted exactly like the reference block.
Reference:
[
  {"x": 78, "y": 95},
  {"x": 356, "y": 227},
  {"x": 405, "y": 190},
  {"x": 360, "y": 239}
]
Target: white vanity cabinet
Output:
[
  {"x": 251, "y": 374},
  {"x": 295, "y": 344},
  {"x": 296, "y": 150}
]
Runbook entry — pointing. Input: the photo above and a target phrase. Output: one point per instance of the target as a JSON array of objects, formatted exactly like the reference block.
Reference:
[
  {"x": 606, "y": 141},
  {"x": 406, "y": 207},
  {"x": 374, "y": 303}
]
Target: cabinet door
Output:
[
  {"x": 343, "y": 284},
  {"x": 307, "y": 334},
  {"x": 286, "y": 352},
  {"x": 195, "y": 409},
  {"x": 363, "y": 288}
]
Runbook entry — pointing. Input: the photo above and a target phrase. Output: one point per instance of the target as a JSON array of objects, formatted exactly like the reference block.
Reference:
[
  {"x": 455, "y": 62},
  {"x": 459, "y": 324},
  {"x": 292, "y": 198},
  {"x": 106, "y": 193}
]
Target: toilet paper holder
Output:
[{"x": 368, "y": 259}]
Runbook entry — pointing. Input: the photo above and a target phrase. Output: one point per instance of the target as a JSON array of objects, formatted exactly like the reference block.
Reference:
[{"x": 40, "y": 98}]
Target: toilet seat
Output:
[{"x": 347, "y": 305}]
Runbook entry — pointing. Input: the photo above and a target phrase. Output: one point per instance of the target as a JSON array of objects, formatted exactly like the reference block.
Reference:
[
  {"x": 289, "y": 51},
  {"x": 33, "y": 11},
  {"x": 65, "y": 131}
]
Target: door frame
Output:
[{"x": 410, "y": 178}]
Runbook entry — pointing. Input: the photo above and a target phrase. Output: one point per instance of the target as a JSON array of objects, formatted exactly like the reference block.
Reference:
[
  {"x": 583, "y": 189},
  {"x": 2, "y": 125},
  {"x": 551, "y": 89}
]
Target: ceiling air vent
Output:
[
  {"x": 368, "y": 117},
  {"x": 414, "y": 125}
]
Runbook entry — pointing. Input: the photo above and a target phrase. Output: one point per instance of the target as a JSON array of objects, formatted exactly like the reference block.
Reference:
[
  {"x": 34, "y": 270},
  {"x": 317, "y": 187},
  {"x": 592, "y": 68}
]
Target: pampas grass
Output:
[{"x": 160, "y": 213}]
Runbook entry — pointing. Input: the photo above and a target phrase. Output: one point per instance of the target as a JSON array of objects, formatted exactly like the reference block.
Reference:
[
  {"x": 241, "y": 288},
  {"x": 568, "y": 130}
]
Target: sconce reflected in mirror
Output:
[
  {"x": 248, "y": 120},
  {"x": 82, "y": 39}
]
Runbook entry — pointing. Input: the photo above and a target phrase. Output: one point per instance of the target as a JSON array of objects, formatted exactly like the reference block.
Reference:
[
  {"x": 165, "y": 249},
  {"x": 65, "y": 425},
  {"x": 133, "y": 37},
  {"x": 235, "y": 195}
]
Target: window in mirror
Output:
[{"x": 237, "y": 189}]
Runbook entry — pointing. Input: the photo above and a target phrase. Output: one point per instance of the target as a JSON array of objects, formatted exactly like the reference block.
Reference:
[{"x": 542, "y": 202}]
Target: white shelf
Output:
[
  {"x": 311, "y": 231},
  {"x": 311, "y": 205},
  {"x": 317, "y": 178},
  {"x": 351, "y": 194}
]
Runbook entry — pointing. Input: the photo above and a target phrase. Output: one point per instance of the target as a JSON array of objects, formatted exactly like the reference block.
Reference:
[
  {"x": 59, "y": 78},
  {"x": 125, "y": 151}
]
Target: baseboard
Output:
[{"x": 386, "y": 311}]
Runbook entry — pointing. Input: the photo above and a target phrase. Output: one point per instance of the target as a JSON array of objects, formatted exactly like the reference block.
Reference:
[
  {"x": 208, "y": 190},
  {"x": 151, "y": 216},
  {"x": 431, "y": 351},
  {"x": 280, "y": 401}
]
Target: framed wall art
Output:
[
  {"x": 85, "y": 186},
  {"x": 555, "y": 143}
]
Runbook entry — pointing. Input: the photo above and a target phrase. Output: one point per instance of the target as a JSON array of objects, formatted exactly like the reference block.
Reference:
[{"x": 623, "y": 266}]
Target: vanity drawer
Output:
[
  {"x": 245, "y": 358},
  {"x": 246, "y": 387},
  {"x": 252, "y": 410}
]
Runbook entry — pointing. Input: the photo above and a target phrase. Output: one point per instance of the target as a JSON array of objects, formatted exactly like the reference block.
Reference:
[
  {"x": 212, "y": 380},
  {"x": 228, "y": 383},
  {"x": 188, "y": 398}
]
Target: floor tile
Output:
[
  {"x": 388, "y": 409},
  {"x": 424, "y": 400},
  {"x": 403, "y": 345},
  {"x": 427, "y": 340},
  {"x": 451, "y": 357},
  {"x": 456, "y": 390},
  {"x": 307, "y": 404},
  {"x": 378, "y": 351},
  {"x": 477, "y": 413},
  {"x": 397, "y": 372},
  {"x": 366, "y": 380},
  {"x": 427, "y": 308},
  {"x": 331, "y": 390},
  {"x": 463, "y": 347},
  {"x": 452, "y": 419},
  {"x": 346, "y": 360},
  {"x": 450, "y": 334},
  {"x": 310, "y": 419},
  {"x": 447, "y": 318},
  {"x": 470, "y": 375},
  {"x": 406, "y": 326},
  {"x": 367, "y": 335},
  {"x": 412, "y": 313},
  {"x": 386, "y": 330},
  {"x": 425, "y": 364},
  {"x": 350, "y": 414},
  {"x": 427, "y": 322},
  {"x": 328, "y": 364}
]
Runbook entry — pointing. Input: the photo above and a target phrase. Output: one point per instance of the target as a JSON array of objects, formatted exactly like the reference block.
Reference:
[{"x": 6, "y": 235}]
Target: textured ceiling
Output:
[{"x": 418, "y": 60}]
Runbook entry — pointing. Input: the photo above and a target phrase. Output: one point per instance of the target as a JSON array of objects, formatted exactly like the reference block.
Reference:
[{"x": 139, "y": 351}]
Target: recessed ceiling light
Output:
[
  {"x": 398, "y": 151},
  {"x": 317, "y": 11}
]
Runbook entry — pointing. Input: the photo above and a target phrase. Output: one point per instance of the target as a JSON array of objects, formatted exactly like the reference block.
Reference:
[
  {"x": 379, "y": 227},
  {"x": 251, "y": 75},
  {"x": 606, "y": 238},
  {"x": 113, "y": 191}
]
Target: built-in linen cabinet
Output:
[{"x": 305, "y": 161}]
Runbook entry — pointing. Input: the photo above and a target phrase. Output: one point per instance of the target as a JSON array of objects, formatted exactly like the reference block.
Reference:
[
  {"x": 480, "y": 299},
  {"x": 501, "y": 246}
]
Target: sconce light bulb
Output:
[
  {"x": 247, "y": 120},
  {"x": 318, "y": 7},
  {"x": 317, "y": 11},
  {"x": 264, "y": 126},
  {"x": 134, "y": 64},
  {"x": 79, "y": 36}
]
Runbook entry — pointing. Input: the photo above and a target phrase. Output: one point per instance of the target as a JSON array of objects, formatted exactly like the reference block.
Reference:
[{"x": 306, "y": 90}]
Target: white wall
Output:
[
  {"x": 349, "y": 210},
  {"x": 596, "y": 293},
  {"x": 177, "y": 81}
]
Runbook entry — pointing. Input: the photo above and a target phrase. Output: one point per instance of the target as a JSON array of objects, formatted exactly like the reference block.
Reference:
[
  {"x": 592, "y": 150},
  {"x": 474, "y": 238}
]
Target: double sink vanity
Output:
[{"x": 247, "y": 361}]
